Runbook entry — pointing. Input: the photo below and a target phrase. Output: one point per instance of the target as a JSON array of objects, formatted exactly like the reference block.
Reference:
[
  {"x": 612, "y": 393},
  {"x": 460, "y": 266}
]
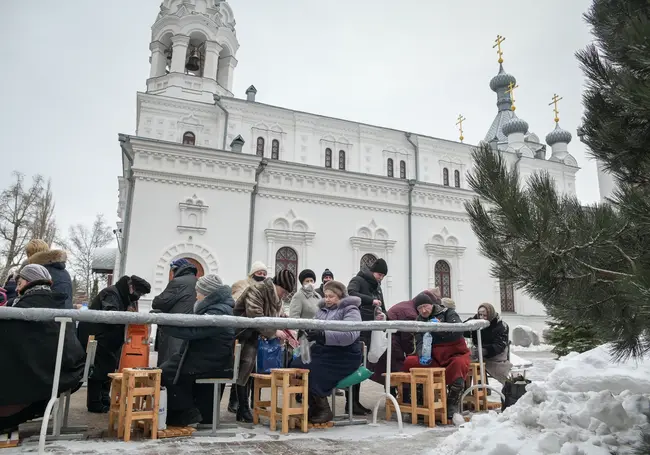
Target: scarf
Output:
[{"x": 31, "y": 290}]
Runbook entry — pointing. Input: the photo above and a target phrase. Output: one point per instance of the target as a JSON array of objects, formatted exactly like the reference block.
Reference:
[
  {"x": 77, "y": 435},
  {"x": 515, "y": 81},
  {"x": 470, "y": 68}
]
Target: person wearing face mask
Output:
[
  {"x": 495, "y": 341},
  {"x": 257, "y": 274},
  {"x": 304, "y": 304},
  {"x": 122, "y": 296}
]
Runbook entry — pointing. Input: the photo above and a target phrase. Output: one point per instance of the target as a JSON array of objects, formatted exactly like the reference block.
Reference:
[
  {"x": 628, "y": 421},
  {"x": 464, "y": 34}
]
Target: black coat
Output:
[
  {"x": 109, "y": 337},
  {"x": 178, "y": 297},
  {"x": 207, "y": 352},
  {"x": 367, "y": 288},
  {"x": 54, "y": 261},
  {"x": 445, "y": 315},
  {"x": 28, "y": 353},
  {"x": 494, "y": 338}
]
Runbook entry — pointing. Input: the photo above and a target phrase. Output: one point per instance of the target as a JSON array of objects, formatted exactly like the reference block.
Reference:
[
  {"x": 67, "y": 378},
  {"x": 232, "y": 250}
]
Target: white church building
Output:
[{"x": 225, "y": 181}]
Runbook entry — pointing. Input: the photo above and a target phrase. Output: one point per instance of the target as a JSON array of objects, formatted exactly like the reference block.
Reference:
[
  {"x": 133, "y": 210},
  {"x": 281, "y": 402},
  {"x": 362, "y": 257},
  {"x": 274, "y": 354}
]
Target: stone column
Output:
[
  {"x": 158, "y": 59},
  {"x": 459, "y": 280},
  {"x": 212, "y": 50},
  {"x": 389, "y": 284},
  {"x": 227, "y": 67},
  {"x": 270, "y": 262},
  {"x": 179, "y": 53}
]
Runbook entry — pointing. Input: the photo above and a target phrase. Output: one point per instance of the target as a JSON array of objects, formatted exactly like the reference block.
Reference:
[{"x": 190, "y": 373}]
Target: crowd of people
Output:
[{"x": 186, "y": 354}]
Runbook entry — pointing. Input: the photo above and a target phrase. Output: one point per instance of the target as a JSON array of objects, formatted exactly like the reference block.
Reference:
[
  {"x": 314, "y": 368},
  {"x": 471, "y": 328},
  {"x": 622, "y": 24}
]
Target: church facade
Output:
[{"x": 225, "y": 181}]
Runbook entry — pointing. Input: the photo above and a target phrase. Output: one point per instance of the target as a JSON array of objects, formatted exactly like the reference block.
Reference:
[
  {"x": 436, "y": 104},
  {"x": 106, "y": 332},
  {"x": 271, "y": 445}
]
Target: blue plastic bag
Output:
[{"x": 270, "y": 355}]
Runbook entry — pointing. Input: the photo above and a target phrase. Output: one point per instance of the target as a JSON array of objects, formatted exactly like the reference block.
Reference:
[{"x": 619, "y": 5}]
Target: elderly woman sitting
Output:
[{"x": 335, "y": 355}]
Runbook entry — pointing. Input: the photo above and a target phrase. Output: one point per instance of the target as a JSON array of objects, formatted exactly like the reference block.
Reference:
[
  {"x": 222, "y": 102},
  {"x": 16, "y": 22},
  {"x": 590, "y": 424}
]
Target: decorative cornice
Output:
[
  {"x": 277, "y": 235},
  {"x": 445, "y": 250},
  {"x": 333, "y": 201},
  {"x": 192, "y": 181},
  {"x": 148, "y": 100},
  {"x": 198, "y": 230},
  {"x": 372, "y": 244}
]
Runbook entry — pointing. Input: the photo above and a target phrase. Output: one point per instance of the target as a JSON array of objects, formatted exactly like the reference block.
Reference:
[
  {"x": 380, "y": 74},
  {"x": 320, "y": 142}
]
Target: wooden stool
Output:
[
  {"x": 398, "y": 380},
  {"x": 135, "y": 396},
  {"x": 478, "y": 397},
  {"x": 435, "y": 395},
  {"x": 291, "y": 381}
]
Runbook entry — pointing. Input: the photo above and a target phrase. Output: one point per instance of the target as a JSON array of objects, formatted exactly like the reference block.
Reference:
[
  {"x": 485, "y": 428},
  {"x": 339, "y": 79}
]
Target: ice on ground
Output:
[
  {"x": 589, "y": 405},
  {"x": 532, "y": 348}
]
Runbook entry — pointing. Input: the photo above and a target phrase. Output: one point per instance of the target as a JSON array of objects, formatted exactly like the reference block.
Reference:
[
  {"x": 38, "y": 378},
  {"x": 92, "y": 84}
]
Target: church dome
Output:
[
  {"x": 502, "y": 80},
  {"x": 515, "y": 125},
  {"x": 558, "y": 136}
]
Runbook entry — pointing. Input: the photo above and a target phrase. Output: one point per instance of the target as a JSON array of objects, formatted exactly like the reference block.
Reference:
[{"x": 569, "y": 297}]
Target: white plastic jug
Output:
[{"x": 162, "y": 410}]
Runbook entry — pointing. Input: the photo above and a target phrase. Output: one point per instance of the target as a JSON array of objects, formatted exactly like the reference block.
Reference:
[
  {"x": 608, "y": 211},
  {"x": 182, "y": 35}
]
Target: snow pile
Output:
[
  {"x": 588, "y": 406},
  {"x": 532, "y": 348}
]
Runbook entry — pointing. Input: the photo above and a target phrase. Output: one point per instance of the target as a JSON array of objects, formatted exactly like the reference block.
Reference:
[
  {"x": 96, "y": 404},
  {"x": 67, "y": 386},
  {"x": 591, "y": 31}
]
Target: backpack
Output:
[{"x": 513, "y": 389}]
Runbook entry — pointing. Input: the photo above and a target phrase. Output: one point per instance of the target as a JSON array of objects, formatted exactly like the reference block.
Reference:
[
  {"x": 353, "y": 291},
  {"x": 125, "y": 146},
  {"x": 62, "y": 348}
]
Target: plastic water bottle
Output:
[
  {"x": 427, "y": 341},
  {"x": 305, "y": 351},
  {"x": 84, "y": 306}
]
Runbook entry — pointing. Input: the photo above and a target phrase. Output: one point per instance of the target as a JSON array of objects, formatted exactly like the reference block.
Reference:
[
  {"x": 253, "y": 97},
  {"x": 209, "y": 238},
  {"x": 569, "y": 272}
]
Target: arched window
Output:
[
  {"x": 286, "y": 259},
  {"x": 367, "y": 260},
  {"x": 445, "y": 177},
  {"x": 189, "y": 138},
  {"x": 341, "y": 160},
  {"x": 328, "y": 158},
  {"x": 389, "y": 165},
  {"x": 195, "y": 263},
  {"x": 507, "y": 292},
  {"x": 457, "y": 179},
  {"x": 275, "y": 149},
  {"x": 402, "y": 169},
  {"x": 443, "y": 278},
  {"x": 260, "y": 146}
]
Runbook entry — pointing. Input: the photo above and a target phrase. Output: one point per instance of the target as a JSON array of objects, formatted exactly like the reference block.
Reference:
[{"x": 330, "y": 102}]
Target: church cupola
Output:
[
  {"x": 193, "y": 48},
  {"x": 559, "y": 139},
  {"x": 501, "y": 84}
]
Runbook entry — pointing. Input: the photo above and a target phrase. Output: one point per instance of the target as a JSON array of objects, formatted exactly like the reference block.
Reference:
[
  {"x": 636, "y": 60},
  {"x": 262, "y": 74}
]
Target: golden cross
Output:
[
  {"x": 500, "y": 39},
  {"x": 554, "y": 102},
  {"x": 511, "y": 91},
  {"x": 460, "y": 121}
]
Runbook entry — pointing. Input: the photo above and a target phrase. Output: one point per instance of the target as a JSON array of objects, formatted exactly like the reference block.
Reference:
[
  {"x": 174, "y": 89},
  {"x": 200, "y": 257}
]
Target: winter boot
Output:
[
  {"x": 243, "y": 411},
  {"x": 97, "y": 397},
  {"x": 321, "y": 411},
  {"x": 186, "y": 418},
  {"x": 453, "y": 397},
  {"x": 357, "y": 408},
  {"x": 233, "y": 404}
]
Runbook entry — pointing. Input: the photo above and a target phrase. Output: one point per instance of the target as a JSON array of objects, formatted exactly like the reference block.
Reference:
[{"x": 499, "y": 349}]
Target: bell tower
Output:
[{"x": 193, "y": 48}]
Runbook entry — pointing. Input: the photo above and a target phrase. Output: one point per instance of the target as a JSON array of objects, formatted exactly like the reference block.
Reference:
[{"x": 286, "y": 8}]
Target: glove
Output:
[{"x": 316, "y": 335}]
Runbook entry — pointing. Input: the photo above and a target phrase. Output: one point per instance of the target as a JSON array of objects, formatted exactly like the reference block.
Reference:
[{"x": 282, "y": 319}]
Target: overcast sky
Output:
[{"x": 70, "y": 71}]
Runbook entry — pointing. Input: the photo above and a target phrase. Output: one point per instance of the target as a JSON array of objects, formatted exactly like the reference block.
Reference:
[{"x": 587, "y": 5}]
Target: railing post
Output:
[{"x": 387, "y": 395}]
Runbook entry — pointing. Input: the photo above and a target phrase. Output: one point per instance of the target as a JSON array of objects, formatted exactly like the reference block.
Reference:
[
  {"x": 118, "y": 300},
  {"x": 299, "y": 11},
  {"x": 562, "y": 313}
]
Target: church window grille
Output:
[
  {"x": 367, "y": 260},
  {"x": 328, "y": 158},
  {"x": 275, "y": 149},
  {"x": 341, "y": 160},
  {"x": 390, "y": 167},
  {"x": 445, "y": 177},
  {"x": 442, "y": 273},
  {"x": 507, "y": 293},
  {"x": 189, "y": 138},
  {"x": 402, "y": 169},
  {"x": 457, "y": 179},
  {"x": 260, "y": 146},
  {"x": 286, "y": 259}
]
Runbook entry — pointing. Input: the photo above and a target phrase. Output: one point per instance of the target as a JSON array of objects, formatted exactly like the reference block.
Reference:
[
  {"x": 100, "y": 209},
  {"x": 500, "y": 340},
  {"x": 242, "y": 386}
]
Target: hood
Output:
[
  {"x": 185, "y": 270},
  {"x": 491, "y": 312},
  {"x": 49, "y": 257},
  {"x": 367, "y": 275},
  {"x": 346, "y": 301},
  {"x": 222, "y": 296},
  {"x": 122, "y": 286}
]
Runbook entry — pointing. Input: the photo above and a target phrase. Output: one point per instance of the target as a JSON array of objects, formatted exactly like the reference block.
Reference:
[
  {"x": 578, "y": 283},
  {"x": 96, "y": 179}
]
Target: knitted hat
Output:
[
  {"x": 140, "y": 285},
  {"x": 328, "y": 273},
  {"x": 34, "y": 272},
  {"x": 286, "y": 280},
  {"x": 306, "y": 274},
  {"x": 257, "y": 266},
  {"x": 207, "y": 284},
  {"x": 380, "y": 266},
  {"x": 448, "y": 303},
  {"x": 178, "y": 263},
  {"x": 422, "y": 299},
  {"x": 336, "y": 287},
  {"x": 36, "y": 246}
]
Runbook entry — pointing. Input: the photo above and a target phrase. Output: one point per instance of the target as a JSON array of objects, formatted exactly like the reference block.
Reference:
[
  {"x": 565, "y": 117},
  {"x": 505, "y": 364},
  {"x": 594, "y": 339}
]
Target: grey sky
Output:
[{"x": 71, "y": 69}]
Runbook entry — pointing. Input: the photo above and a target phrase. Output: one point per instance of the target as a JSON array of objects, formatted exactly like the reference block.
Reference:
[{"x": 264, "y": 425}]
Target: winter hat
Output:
[
  {"x": 328, "y": 273},
  {"x": 36, "y": 246},
  {"x": 257, "y": 266},
  {"x": 422, "y": 299},
  {"x": 207, "y": 284},
  {"x": 489, "y": 308},
  {"x": 140, "y": 285},
  {"x": 306, "y": 274},
  {"x": 35, "y": 272},
  {"x": 380, "y": 266},
  {"x": 286, "y": 280},
  {"x": 178, "y": 263},
  {"x": 336, "y": 287},
  {"x": 448, "y": 303}
]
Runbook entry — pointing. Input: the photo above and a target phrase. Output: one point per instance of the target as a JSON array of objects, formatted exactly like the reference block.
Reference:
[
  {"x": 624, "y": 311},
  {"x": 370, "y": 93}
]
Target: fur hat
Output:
[
  {"x": 328, "y": 273},
  {"x": 140, "y": 285},
  {"x": 448, "y": 303},
  {"x": 257, "y": 266},
  {"x": 336, "y": 287},
  {"x": 307, "y": 273},
  {"x": 286, "y": 280},
  {"x": 36, "y": 246},
  {"x": 422, "y": 299},
  {"x": 35, "y": 272},
  {"x": 380, "y": 266},
  {"x": 207, "y": 284}
]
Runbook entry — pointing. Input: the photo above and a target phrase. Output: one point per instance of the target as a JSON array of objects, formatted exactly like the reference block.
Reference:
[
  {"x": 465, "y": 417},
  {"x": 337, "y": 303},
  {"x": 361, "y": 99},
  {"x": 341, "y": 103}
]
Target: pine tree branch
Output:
[{"x": 604, "y": 271}]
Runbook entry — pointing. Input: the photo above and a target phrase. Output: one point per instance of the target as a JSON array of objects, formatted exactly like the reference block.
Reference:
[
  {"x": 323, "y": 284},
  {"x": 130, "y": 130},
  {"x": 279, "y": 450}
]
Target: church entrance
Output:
[{"x": 195, "y": 263}]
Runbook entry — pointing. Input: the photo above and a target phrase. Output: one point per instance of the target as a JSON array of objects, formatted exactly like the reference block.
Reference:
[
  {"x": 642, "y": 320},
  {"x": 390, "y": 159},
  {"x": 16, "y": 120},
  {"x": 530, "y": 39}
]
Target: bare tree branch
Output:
[{"x": 82, "y": 243}]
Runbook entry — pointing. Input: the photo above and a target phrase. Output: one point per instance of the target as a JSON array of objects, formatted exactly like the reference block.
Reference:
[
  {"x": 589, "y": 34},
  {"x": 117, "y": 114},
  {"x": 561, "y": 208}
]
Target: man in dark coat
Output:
[
  {"x": 367, "y": 286},
  {"x": 325, "y": 277},
  {"x": 29, "y": 352},
  {"x": 122, "y": 296},
  {"x": 39, "y": 252},
  {"x": 495, "y": 341},
  {"x": 178, "y": 297},
  {"x": 206, "y": 352}
]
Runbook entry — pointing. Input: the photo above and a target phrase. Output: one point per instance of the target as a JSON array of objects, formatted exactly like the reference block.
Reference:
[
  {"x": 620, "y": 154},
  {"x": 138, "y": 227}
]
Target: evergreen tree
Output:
[
  {"x": 568, "y": 337},
  {"x": 94, "y": 291},
  {"x": 589, "y": 266}
]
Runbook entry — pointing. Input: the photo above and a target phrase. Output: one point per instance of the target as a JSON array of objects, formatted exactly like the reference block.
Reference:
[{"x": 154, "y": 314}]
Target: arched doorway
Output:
[{"x": 195, "y": 263}]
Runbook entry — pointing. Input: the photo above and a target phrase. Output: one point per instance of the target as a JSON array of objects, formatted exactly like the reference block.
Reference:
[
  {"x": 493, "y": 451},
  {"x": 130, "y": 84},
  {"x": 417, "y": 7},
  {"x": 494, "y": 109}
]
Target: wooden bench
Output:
[
  {"x": 291, "y": 381},
  {"x": 478, "y": 397},
  {"x": 435, "y": 395},
  {"x": 399, "y": 380}
]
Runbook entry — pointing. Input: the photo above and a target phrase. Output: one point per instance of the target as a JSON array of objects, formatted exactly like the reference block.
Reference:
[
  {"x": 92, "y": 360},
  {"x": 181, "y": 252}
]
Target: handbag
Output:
[
  {"x": 513, "y": 389},
  {"x": 270, "y": 355}
]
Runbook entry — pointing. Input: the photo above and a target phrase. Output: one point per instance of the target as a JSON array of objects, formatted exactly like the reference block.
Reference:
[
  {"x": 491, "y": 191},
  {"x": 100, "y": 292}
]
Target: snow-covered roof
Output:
[{"x": 104, "y": 259}]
